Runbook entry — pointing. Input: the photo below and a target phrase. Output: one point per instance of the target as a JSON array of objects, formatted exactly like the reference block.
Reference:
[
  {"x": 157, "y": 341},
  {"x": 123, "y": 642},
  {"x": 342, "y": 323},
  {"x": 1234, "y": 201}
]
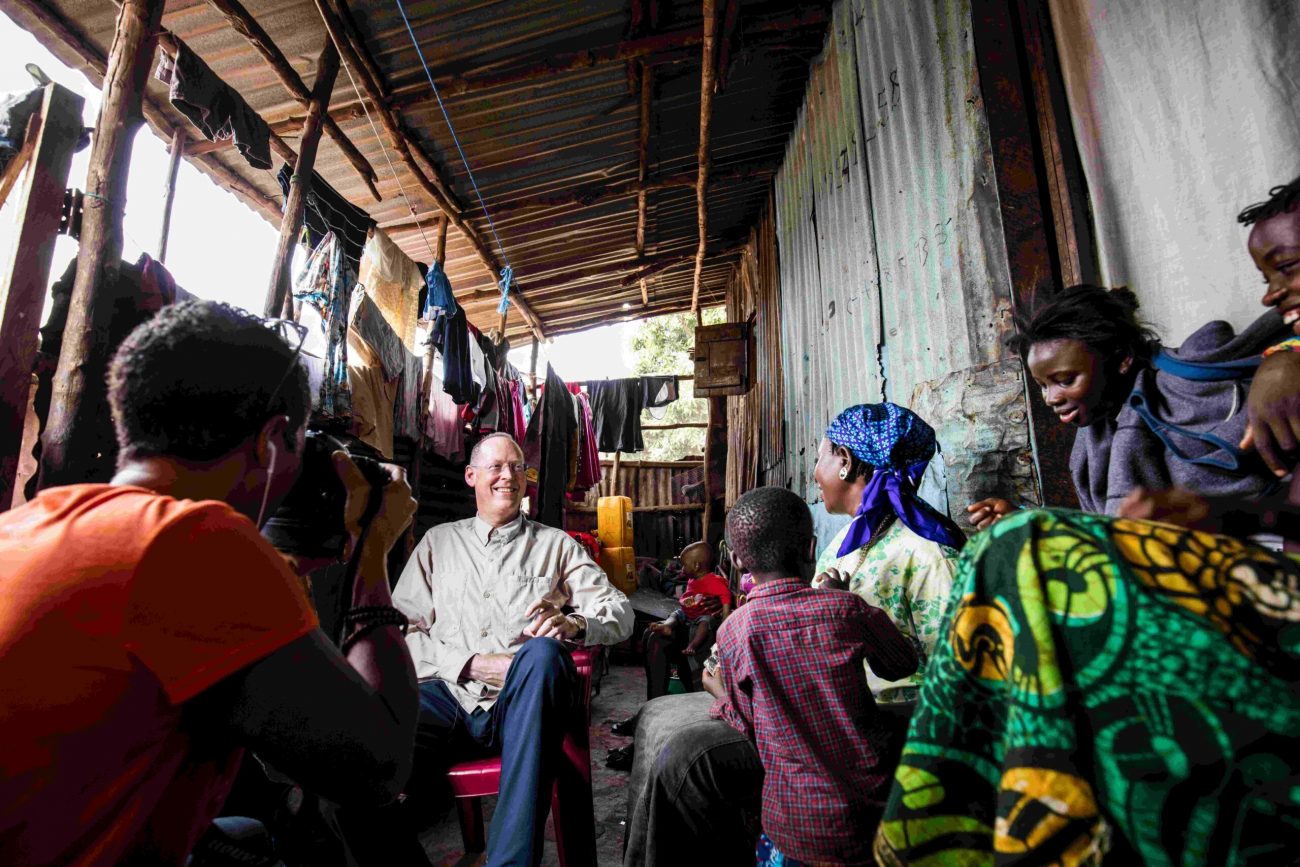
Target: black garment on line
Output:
[
  {"x": 327, "y": 211},
  {"x": 215, "y": 108},
  {"x": 546, "y": 446},
  {"x": 616, "y": 414}
]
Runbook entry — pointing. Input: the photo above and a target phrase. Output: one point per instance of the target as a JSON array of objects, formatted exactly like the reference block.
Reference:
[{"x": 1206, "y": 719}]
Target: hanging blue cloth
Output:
[{"x": 898, "y": 445}]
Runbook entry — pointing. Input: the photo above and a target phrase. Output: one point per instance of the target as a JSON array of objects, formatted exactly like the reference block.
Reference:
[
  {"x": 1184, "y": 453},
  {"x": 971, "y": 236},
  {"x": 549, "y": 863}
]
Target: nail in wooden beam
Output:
[
  {"x": 300, "y": 185},
  {"x": 47, "y": 155},
  {"x": 69, "y": 451},
  {"x": 169, "y": 191},
  {"x": 707, "y": 69},
  {"x": 243, "y": 23}
]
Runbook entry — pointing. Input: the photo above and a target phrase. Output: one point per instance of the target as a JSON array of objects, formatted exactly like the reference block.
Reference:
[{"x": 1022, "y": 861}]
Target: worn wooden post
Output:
[
  {"x": 327, "y": 68},
  {"x": 613, "y": 481},
  {"x": 169, "y": 190},
  {"x": 50, "y": 141},
  {"x": 707, "y": 69},
  {"x": 426, "y": 392},
  {"x": 68, "y": 448},
  {"x": 708, "y": 483},
  {"x": 643, "y": 164},
  {"x": 532, "y": 371}
]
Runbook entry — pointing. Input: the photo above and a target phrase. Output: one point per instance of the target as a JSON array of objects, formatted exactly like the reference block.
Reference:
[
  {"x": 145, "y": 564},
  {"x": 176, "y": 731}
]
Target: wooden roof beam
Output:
[
  {"x": 708, "y": 75},
  {"x": 404, "y": 144},
  {"x": 33, "y": 15},
  {"x": 245, "y": 25},
  {"x": 643, "y": 165}
]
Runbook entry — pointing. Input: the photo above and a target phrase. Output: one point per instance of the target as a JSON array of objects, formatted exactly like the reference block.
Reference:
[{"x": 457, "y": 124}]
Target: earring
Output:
[{"x": 844, "y": 473}]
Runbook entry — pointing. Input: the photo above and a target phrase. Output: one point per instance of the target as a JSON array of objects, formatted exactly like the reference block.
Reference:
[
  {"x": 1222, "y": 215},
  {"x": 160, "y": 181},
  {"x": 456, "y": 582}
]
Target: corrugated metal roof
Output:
[{"x": 524, "y": 139}]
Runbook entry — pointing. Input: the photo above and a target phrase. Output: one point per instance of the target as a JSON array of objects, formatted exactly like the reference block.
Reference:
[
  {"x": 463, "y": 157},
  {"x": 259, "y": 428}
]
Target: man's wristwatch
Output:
[{"x": 582, "y": 625}]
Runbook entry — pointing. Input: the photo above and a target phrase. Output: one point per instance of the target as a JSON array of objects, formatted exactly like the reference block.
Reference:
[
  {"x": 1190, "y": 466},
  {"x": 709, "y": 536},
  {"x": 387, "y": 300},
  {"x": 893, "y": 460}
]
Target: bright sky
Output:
[{"x": 218, "y": 247}]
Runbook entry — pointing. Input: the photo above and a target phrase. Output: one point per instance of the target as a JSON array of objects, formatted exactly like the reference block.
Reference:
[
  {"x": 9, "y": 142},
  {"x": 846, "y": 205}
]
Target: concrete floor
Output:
[{"x": 622, "y": 691}]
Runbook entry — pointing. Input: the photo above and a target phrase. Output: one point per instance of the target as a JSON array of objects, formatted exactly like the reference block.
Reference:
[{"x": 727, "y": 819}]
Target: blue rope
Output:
[{"x": 507, "y": 273}]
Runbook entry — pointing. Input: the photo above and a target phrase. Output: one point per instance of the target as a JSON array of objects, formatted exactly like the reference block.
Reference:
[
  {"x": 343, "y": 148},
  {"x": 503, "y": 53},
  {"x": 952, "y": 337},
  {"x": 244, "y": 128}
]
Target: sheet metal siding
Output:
[{"x": 887, "y": 206}]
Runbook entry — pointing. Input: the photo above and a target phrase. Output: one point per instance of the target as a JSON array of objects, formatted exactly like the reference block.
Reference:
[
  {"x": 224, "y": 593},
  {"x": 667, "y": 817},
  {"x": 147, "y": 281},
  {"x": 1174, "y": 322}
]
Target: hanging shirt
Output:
[
  {"x": 327, "y": 211},
  {"x": 616, "y": 411}
]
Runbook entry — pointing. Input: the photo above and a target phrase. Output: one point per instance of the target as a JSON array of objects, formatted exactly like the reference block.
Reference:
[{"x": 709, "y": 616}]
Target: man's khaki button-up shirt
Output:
[{"x": 467, "y": 586}]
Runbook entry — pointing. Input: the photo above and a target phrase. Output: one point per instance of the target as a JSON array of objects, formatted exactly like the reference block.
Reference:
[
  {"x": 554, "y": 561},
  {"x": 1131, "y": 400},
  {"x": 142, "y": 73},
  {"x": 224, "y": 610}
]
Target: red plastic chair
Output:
[{"x": 571, "y": 801}]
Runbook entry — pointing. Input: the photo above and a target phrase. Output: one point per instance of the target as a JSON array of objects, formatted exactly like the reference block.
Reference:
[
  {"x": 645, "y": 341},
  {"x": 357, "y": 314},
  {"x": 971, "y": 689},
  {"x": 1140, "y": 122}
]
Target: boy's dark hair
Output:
[
  {"x": 1280, "y": 201},
  {"x": 770, "y": 530},
  {"x": 198, "y": 379},
  {"x": 1105, "y": 320}
]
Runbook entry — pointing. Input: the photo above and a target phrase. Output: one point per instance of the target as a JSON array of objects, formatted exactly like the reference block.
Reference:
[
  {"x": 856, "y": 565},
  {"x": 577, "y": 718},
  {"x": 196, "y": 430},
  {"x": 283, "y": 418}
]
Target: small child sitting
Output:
[
  {"x": 789, "y": 676},
  {"x": 702, "y": 617}
]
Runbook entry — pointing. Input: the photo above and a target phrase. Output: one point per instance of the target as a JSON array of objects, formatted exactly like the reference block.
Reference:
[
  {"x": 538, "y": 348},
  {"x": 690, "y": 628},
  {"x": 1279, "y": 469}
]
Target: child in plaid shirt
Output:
[{"x": 790, "y": 676}]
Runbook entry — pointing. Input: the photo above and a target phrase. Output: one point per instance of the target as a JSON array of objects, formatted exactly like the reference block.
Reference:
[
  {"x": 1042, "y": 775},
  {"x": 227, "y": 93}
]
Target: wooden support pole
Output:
[
  {"x": 327, "y": 69},
  {"x": 532, "y": 371},
  {"x": 707, "y": 75},
  {"x": 708, "y": 473},
  {"x": 68, "y": 449},
  {"x": 613, "y": 481},
  {"x": 169, "y": 191},
  {"x": 440, "y": 240},
  {"x": 243, "y": 23},
  {"x": 436, "y": 186},
  {"x": 47, "y": 153},
  {"x": 643, "y": 159}
]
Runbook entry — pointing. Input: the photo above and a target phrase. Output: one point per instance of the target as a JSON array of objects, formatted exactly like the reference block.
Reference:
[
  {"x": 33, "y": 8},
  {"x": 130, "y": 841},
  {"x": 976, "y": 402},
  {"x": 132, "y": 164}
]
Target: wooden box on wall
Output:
[{"x": 725, "y": 359}]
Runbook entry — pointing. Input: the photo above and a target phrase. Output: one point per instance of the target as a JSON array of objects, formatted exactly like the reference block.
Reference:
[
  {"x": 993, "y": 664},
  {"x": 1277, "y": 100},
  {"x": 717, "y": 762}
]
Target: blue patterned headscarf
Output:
[{"x": 898, "y": 445}]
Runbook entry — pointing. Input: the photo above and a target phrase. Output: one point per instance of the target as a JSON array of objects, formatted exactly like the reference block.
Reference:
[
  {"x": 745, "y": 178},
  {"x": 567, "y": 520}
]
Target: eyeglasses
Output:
[
  {"x": 286, "y": 329},
  {"x": 515, "y": 467}
]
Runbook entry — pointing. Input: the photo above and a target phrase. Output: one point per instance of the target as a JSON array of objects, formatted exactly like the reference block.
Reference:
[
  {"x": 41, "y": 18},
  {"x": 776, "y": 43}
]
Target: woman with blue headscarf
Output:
[{"x": 898, "y": 553}]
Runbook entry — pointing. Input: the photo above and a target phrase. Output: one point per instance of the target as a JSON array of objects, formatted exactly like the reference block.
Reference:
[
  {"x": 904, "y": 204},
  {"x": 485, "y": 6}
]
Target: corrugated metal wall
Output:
[
  {"x": 830, "y": 309},
  {"x": 894, "y": 280}
]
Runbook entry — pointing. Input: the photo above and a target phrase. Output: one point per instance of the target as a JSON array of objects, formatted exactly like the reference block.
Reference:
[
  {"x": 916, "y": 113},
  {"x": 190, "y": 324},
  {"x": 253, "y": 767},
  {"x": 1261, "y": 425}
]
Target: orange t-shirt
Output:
[{"x": 119, "y": 605}]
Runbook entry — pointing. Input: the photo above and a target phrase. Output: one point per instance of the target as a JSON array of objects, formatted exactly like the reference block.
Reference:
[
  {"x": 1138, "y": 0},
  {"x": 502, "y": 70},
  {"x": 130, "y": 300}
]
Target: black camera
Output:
[{"x": 309, "y": 522}]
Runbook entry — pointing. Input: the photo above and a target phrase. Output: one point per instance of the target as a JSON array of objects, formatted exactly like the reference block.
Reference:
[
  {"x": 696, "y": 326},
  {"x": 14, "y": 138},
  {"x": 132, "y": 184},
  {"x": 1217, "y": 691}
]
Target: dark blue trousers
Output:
[{"x": 526, "y": 726}]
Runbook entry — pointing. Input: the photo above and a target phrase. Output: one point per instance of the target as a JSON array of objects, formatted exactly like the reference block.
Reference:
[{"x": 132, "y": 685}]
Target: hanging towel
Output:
[
  {"x": 327, "y": 211},
  {"x": 616, "y": 408},
  {"x": 657, "y": 392}
]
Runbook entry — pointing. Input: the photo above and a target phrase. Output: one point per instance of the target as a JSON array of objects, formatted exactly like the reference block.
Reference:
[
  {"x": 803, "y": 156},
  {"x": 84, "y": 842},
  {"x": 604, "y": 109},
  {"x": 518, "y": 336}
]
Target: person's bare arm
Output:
[{"x": 342, "y": 727}]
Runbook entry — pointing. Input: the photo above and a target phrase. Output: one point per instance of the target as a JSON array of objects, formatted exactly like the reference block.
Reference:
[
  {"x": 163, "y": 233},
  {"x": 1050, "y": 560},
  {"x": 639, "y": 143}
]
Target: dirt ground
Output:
[{"x": 622, "y": 690}]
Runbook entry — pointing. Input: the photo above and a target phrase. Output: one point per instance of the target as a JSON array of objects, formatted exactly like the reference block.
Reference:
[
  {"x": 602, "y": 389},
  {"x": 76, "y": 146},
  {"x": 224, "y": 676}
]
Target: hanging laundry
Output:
[
  {"x": 588, "y": 475},
  {"x": 439, "y": 296},
  {"x": 327, "y": 211},
  {"x": 457, "y": 371},
  {"x": 323, "y": 289},
  {"x": 393, "y": 282},
  {"x": 616, "y": 409},
  {"x": 656, "y": 393},
  {"x": 376, "y": 364},
  {"x": 546, "y": 450},
  {"x": 443, "y": 427},
  {"x": 217, "y": 109}
]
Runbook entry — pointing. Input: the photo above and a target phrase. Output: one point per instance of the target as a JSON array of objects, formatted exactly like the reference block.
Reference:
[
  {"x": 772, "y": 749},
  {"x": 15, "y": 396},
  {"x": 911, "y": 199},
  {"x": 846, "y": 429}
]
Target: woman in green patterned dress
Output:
[
  {"x": 1108, "y": 689},
  {"x": 898, "y": 553}
]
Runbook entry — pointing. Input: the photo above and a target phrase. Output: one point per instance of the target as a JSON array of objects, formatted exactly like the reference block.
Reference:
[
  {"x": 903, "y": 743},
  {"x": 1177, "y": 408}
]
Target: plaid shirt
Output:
[{"x": 793, "y": 679}]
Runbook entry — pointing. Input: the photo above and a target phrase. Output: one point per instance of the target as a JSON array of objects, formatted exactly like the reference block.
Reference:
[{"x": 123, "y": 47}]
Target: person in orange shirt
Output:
[{"x": 149, "y": 633}]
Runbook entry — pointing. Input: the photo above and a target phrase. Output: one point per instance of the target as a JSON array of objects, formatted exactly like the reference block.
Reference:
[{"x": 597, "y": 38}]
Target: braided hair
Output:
[{"x": 1281, "y": 200}]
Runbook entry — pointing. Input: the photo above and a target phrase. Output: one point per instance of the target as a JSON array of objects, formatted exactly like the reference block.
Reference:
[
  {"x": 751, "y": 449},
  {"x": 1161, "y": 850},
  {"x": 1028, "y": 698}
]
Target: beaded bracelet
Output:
[
  {"x": 1291, "y": 344},
  {"x": 367, "y": 618}
]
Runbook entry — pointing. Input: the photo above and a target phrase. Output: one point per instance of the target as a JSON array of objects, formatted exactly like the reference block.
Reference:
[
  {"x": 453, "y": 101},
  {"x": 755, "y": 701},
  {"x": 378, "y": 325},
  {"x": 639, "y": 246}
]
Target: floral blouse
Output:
[{"x": 910, "y": 578}]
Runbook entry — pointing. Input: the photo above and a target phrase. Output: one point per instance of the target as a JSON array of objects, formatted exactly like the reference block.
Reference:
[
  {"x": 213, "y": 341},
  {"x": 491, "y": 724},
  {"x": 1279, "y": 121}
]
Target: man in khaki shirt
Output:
[{"x": 486, "y": 599}]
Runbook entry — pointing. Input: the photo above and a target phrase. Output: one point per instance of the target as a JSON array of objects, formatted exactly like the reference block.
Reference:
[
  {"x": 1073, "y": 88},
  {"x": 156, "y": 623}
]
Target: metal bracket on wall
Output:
[{"x": 74, "y": 203}]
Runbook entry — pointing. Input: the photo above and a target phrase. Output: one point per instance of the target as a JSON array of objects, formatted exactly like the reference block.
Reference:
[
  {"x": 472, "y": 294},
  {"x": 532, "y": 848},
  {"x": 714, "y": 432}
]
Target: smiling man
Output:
[{"x": 491, "y": 599}]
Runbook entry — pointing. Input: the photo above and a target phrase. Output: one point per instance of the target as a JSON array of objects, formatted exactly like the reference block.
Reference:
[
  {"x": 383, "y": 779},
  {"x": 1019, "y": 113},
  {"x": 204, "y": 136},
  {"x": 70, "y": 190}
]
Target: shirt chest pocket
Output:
[{"x": 516, "y": 591}]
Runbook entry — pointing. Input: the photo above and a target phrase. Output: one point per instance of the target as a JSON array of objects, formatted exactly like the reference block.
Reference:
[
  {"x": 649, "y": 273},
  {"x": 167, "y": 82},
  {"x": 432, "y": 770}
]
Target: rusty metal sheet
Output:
[
  {"x": 894, "y": 279},
  {"x": 829, "y": 284}
]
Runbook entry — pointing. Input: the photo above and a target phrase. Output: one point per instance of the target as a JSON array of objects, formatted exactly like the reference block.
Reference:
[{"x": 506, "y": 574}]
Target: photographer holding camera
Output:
[{"x": 149, "y": 633}]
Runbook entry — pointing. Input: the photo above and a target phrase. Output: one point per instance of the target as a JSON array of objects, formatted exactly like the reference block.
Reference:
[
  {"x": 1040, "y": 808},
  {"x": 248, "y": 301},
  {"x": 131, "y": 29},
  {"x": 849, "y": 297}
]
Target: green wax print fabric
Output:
[{"x": 1106, "y": 685}]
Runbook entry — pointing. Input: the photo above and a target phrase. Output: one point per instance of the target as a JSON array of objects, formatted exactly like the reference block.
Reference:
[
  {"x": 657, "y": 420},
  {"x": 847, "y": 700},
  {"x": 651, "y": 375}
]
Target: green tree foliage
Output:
[{"x": 662, "y": 345}]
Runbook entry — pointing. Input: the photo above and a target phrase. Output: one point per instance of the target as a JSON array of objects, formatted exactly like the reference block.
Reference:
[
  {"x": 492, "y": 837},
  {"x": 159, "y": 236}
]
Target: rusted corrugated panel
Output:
[
  {"x": 829, "y": 291},
  {"x": 938, "y": 229},
  {"x": 887, "y": 210}
]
